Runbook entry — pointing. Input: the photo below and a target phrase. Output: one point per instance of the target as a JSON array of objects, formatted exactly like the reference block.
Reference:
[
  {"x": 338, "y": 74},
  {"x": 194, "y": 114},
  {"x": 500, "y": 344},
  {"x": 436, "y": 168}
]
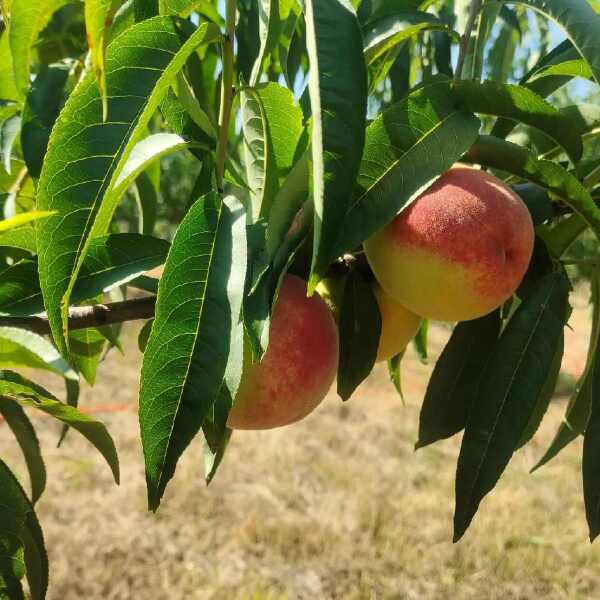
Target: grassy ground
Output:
[{"x": 336, "y": 507}]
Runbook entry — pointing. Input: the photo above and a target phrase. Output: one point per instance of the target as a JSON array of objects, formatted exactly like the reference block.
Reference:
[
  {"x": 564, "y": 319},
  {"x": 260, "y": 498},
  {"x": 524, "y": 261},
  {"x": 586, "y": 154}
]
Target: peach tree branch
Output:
[{"x": 97, "y": 315}]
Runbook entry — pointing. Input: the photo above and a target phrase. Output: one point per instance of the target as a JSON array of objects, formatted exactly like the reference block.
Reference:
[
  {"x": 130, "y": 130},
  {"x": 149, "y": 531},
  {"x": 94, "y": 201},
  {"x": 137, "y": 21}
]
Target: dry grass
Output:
[{"x": 336, "y": 507}]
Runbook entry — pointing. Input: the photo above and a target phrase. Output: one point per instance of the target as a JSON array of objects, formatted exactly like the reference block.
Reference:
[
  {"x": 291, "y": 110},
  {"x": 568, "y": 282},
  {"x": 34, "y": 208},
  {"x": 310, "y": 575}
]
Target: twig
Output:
[
  {"x": 16, "y": 186},
  {"x": 226, "y": 92},
  {"x": 588, "y": 262},
  {"x": 95, "y": 315},
  {"x": 465, "y": 39}
]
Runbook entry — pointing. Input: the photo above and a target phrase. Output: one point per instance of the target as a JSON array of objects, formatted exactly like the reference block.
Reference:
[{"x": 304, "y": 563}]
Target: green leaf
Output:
[
  {"x": 384, "y": 34},
  {"x": 370, "y": 10},
  {"x": 98, "y": 15},
  {"x": 284, "y": 119},
  {"x": 272, "y": 125},
  {"x": 400, "y": 70},
  {"x": 563, "y": 234},
  {"x": 291, "y": 196},
  {"x": 198, "y": 307},
  {"x": 338, "y": 98},
  {"x": 394, "y": 372},
  {"x": 487, "y": 18},
  {"x": 510, "y": 385},
  {"x": 23, "y": 430},
  {"x": 21, "y": 541},
  {"x": 8, "y": 109},
  {"x": 180, "y": 122},
  {"x": 578, "y": 20},
  {"x": 144, "y": 335},
  {"x": 584, "y": 116},
  {"x": 420, "y": 341},
  {"x": 265, "y": 274},
  {"x": 268, "y": 31},
  {"x": 590, "y": 470},
  {"x": 584, "y": 120},
  {"x": 146, "y": 193},
  {"x": 86, "y": 347},
  {"x": 259, "y": 155},
  {"x": 23, "y": 218},
  {"x": 44, "y": 100},
  {"x": 522, "y": 105},
  {"x": 8, "y": 583},
  {"x": 141, "y": 64},
  {"x": 454, "y": 383},
  {"x": 360, "y": 328},
  {"x": 145, "y": 9},
  {"x": 145, "y": 283},
  {"x": 216, "y": 434},
  {"x": 297, "y": 54},
  {"x": 112, "y": 260},
  {"x": 22, "y": 238},
  {"x": 580, "y": 404},
  {"x": 501, "y": 55},
  {"x": 570, "y": 68},
  {"x": 27, "y": 19},
  {"x": 115, "y": 259},
  {"x": 16, "y": 190},
  {"x": 247, "y": 38},
  {"x": 546, "y": 394},
  {"x": 408, "y": 146},
  {"x": 193, "y": 109},
  {"x": 496, "y": 153},
  {"x": 124, "y": 18},
  {"x": 540, "y": 265},
  {"x": 563, "y": 52},
  {"x": 14, "y": 388},
  {"x": 20, "y": 347},
  {"x": 145, "y": 153},
  {"x": 289, "y": 15},
  {"x": 8, "y": 91},
  {"x": 542, "y": 86},
  {"x": 73, "y": 389},
  {"x": 184, "y": 8}
]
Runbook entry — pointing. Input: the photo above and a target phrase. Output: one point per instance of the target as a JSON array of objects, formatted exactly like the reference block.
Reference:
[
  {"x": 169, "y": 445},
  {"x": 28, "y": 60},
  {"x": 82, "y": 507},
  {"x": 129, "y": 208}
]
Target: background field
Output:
[{"x": 336, "y": 507}]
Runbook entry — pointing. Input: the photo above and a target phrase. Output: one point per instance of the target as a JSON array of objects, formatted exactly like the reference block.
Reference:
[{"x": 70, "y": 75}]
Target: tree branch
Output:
[
  {"x": 465, "y": 39},
  {"x": 96, "y": 315},
  {"x": 226, "y": 92}
]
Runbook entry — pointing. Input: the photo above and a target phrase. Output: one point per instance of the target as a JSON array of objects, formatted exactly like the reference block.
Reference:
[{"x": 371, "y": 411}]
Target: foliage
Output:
[{"x": 123, "y": 123}]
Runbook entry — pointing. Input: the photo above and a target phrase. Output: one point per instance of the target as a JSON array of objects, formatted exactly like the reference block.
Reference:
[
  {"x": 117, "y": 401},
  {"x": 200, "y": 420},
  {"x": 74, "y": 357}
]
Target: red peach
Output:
[
  {"x": 298, "y": 367},
  {"x": 458, "y": 251}
]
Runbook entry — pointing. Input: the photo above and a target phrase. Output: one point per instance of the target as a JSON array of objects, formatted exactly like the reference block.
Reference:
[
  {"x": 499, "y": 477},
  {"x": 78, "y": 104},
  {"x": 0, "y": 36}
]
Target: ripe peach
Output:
[
  {"x": 398, "y": 325},
  {"x": 298, "y": 367},
  {"x": 458, "y": 251}
]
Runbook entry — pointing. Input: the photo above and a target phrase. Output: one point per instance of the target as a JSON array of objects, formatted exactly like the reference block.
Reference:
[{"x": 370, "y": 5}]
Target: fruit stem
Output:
[
  {"x": 465, "y": 39},
  {"x": 226, "y": 92}
]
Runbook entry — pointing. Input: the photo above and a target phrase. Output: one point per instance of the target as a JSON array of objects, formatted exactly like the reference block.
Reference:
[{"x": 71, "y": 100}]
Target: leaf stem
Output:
[
  {"x": 465, "y": 39},
  {"x": 226, "y": 92}
]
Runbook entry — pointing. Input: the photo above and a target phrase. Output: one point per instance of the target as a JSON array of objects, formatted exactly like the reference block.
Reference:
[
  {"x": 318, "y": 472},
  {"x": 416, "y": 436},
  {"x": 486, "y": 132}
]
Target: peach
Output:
[
  {"x": 458, "y": 251},
  {"x": 298, "y": 367},
  {"x": 398, "y": 325}
]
